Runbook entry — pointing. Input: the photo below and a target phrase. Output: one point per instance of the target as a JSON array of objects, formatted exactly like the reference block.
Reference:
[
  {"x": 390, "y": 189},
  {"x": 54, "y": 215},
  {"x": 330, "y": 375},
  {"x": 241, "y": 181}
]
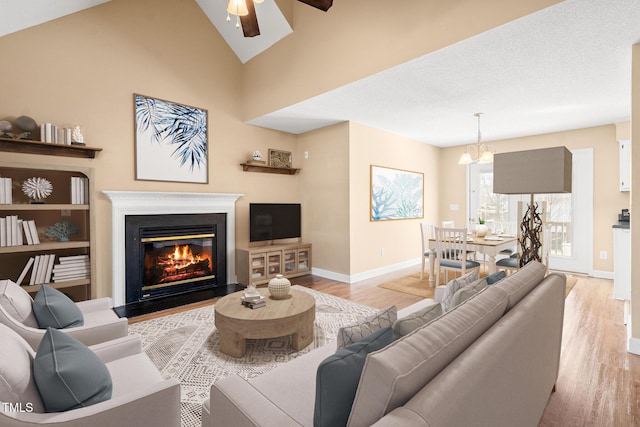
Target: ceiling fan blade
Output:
[
  {"x": 319, "y": 4},
  {"x": 250, "y": 21}
]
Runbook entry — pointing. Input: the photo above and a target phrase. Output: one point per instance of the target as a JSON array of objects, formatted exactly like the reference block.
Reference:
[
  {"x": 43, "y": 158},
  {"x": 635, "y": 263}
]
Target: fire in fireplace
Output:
[{"x": 169, "y": 254}]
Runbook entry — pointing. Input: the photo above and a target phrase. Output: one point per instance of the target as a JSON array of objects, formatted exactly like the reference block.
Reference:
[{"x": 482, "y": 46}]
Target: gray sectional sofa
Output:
[{"x": 492, "y": 360}]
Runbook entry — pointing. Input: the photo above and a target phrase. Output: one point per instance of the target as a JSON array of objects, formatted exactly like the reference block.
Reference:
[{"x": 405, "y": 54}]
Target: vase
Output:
[
  {"x": 481, "y": 230},
  {"x": 279, "y": 287}
]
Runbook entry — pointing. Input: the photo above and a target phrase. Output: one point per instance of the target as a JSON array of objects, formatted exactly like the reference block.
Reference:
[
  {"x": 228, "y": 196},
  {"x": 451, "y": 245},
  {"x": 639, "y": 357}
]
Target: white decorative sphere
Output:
[
  {"x": 37, "y": 188},
  {"x": 257, "y": 155},
  {"x": 279, "y": 287}
]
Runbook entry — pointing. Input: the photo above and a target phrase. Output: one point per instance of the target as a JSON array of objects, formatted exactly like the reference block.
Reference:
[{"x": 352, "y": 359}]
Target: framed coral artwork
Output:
[
  {"x": 396, "y": 194},
  {"x": 171, "y": 141}
]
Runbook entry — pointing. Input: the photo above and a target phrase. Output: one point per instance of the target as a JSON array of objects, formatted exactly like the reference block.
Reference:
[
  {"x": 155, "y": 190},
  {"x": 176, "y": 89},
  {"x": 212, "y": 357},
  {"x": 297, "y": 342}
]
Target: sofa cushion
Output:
[
  {"x": 402, "y": 327},
  {"x": 356, "y": 331},
  {"x": 495, "y": 277},
  {"x": 54, "y": 309},
  {"x": 68, "y": 374},
  {"x": 468, "y": 291},
  {"x": 522, "y": 281},
  {"x": 16, "y": 382},
  {"x": 17, "y": 303},
  {"x": 453, "y": 286},
  {"x": 393, "y": 375},
  {"x": 338, "y": 375}
]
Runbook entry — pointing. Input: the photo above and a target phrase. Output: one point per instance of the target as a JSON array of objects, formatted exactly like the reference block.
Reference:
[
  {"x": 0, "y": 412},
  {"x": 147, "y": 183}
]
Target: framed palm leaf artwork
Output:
[
  {"x": 396, "y": 194},
  {"x": 171, "y": 141}
]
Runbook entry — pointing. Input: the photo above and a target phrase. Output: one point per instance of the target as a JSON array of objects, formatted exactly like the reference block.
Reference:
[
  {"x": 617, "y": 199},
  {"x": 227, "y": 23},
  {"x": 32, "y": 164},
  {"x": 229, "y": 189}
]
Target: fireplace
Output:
[
  {"x": 170, "y": 254},
  {"x": 140, "y": 203}
]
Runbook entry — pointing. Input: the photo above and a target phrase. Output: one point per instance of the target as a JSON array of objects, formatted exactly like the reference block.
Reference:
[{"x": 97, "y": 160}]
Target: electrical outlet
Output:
[
  {"x": 603, "y": 254},
  {"x": 306, "y": 154},
  {"x": 382, "y": 252},
  {"x": 453, "y": 207}
]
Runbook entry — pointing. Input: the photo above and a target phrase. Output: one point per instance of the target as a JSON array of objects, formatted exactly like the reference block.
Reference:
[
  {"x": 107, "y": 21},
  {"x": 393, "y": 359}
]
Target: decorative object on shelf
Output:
[
  {"x": 483, "y": 152},
  {"x": 27, "y": 125},
  {"x": 396, "y": 194},
  {"x": 62, "y": 231},
  {"x": 279, "y": 287},
  {"x": 37, "y": 189},
  {"x": 256, "y": 159},
  {"x": 279, "y": 158},
  {"x": 5, "y": 127},
  {"x": 257, "y": 155},
  {"x": 541, "y": 171},
  {"x": 77, "y": 138},
  {"x": 171, "y": 141}
]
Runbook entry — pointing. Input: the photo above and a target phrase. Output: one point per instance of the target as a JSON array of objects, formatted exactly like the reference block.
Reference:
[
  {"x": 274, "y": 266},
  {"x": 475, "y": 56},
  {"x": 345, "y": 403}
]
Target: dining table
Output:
[{"x": 490, "y": 246}]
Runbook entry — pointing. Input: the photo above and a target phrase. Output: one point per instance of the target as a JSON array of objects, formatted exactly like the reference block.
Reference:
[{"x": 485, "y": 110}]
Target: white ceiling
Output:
[{"x": 565, "y": 67}]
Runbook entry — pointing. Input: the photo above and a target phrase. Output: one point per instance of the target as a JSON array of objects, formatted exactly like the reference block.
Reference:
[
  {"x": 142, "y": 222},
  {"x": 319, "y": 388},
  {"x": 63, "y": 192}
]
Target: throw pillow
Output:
[
  {"x": 17, "y": 386},
  {"x": 17, "y": 303},
  {"x": 355, "y": 332},
  {"x": 338, "y": 376},
  {"x": 402, "y": 327},
  {"x": 68, "y": 374},
  {"x": 54, "y": 309},
  {"x": 467, "y": 292},
  {"x": 454, "y": 285},
  {"x": 495, "y": 277}
]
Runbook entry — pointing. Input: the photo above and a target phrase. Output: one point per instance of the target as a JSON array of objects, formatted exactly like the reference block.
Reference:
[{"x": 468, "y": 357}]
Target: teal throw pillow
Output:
[
  {"x": 495, "y": 277},
  {"x": 402, "y": 327},
  {"x": 54, "y": 309},
  {"x": 68, "y": 374},
  {"x": 338, "y": 376}
]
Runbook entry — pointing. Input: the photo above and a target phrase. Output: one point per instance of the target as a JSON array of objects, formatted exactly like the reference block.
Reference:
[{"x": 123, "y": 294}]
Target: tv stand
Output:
[{"x": 258, "y": 265}]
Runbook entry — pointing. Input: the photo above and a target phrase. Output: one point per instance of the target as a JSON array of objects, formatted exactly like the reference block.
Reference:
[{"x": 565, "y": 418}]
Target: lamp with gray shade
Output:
[{"x": 541, "y": 171}]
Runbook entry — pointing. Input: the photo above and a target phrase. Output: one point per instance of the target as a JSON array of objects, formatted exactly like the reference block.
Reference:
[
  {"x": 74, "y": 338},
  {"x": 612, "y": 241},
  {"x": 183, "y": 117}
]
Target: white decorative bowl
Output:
[{"x": 279, "y": 287}]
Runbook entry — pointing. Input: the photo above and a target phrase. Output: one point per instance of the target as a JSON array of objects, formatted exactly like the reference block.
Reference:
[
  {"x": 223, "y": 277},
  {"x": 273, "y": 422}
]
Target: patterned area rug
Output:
[{"x": 186, "y": 346}]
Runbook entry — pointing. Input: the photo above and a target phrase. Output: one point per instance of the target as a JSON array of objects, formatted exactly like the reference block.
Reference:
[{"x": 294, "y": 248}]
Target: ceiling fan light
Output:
[
  {"x": 237, "y": 7},
  {"x": 465, "y": 159}
]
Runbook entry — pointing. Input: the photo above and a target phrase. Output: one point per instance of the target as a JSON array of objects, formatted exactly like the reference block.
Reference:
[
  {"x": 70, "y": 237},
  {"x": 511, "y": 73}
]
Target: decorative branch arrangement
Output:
[{"x": 531, "y": 235}]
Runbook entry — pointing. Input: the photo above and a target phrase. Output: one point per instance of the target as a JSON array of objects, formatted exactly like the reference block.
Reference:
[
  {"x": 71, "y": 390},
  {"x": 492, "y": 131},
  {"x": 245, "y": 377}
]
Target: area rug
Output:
[
  {"x": 186, "y": 346},
  {"x": 411, "y": 285}
]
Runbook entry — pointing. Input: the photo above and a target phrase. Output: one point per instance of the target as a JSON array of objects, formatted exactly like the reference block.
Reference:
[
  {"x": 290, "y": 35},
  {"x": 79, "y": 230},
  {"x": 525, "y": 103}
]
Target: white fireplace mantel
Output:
[{"x": 125, "y": 203}]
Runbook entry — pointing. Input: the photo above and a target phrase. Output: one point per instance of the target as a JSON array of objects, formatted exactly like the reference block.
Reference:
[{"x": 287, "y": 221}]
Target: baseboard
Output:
[
  {"x": 602, "y": 274},
  {"x": 370, "y": 274},
  {"x": 633, "y": 344}
]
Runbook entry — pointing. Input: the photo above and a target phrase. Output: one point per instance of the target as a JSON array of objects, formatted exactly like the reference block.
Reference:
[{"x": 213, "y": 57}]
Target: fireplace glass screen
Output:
[{"x": 174, "y": 260}]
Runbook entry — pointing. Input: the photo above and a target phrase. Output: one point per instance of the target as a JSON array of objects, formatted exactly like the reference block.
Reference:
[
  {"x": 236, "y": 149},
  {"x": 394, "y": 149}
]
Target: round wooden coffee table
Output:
[{"x": 291, "y": 316}]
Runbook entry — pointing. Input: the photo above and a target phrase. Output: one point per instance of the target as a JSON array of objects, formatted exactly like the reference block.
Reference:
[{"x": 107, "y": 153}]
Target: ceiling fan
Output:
[{"x": 246, "y": 11}]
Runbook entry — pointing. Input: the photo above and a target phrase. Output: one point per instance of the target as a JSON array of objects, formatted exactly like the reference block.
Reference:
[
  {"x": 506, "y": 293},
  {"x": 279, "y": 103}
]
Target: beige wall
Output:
[
  {"x": 399, "y": 238},
  {"x": 357, "y": 38},
  {"x": 324, "y": 193},
  {"x": 84, "y": 68},
  {"x": 607, "y": 199}
]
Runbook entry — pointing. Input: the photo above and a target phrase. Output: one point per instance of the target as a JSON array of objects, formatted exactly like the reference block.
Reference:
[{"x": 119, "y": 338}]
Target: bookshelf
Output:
[{"x": 57, "y": 208}]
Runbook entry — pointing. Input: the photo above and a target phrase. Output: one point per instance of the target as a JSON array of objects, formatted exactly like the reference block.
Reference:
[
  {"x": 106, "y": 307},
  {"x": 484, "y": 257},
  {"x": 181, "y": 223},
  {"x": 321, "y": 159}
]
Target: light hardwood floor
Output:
[{"x": 599, "y": 382}]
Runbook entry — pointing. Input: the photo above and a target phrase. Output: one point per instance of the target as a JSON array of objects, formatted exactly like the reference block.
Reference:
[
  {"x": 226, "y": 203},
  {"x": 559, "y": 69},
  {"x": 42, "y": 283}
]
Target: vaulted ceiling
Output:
[{"x": 564, "y": 67}]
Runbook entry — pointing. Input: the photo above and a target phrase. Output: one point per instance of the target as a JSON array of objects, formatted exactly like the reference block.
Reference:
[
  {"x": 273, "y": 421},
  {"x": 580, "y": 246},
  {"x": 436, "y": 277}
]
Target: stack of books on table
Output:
[
  {"x": 75, "y": 267},
  {"x": 253, "y": 301}
]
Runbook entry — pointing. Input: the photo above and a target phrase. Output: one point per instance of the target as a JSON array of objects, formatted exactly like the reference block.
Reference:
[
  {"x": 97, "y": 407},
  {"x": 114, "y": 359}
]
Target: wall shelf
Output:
[
  {"x": 268, "y": 169},
  {"x": 37, "y": 147}
]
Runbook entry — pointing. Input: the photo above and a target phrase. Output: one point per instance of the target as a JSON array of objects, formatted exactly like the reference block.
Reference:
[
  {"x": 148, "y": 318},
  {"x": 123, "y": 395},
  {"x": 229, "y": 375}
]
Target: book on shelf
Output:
[
  {"x": 3, "y": 232},
  {"x": 6, "y": 197},
  {"x": 25, "y": 270},
  {"x": 34, "y": 272},
  {"x": 79, "y": 190},
  {"x": 49, "y": 270},
  {"x": 19, "y": 232},
  {"x": 27, "y": 232},
  {"x": 72, "y": 258},
  {"x": 73, "y": 266},
  {"x": 34, "y": 232}
]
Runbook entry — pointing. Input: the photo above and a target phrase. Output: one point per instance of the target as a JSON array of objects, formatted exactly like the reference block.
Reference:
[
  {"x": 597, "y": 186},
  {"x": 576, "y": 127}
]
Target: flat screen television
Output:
[{"x": 273, "y": 221}]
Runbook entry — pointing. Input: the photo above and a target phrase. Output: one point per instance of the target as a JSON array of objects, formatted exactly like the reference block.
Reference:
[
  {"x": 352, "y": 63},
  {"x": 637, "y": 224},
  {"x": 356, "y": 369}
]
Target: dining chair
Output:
[
  {"x": 451, "y": 224},
  {"x": 450, "y": 244},
  {"x": 426, "y": 230}
]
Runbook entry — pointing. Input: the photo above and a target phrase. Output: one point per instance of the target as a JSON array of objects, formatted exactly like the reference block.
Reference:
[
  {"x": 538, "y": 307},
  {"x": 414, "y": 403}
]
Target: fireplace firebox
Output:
[{"x": 171, "y": 254}]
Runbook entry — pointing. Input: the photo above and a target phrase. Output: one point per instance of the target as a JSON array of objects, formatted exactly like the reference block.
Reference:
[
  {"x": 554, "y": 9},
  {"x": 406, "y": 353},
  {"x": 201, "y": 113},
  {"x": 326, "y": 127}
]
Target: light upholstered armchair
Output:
[
  {"x": 101, "y": 323},
  {"x": 139, "y": 394}
]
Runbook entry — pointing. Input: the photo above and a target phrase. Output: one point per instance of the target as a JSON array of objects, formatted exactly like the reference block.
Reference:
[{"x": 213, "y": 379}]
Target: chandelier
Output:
[{"x": 478, "y": 153}]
